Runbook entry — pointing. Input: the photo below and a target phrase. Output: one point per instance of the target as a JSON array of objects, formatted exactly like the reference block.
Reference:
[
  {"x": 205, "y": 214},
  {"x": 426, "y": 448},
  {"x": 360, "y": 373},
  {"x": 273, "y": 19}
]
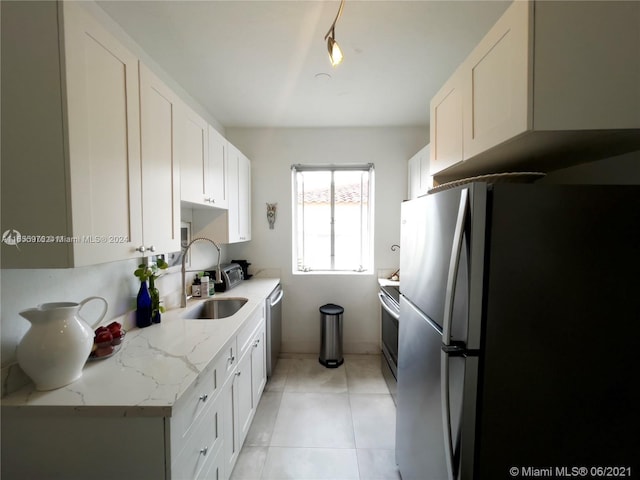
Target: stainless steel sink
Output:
[{"x": 216, "y": 308}]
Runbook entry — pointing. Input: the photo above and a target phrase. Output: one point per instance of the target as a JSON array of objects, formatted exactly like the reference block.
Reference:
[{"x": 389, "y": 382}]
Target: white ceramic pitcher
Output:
[{"x": 58, "y": 343}]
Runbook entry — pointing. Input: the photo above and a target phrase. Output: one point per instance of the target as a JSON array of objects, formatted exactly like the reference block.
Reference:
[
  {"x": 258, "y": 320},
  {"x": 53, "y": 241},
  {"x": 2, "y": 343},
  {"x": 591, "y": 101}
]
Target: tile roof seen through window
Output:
[{"x": 344, "y": 194}]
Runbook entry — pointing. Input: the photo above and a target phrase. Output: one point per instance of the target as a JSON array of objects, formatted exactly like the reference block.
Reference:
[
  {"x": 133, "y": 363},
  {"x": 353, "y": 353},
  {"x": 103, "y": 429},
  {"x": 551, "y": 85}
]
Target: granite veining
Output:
[{"x": 153, "y": 368}]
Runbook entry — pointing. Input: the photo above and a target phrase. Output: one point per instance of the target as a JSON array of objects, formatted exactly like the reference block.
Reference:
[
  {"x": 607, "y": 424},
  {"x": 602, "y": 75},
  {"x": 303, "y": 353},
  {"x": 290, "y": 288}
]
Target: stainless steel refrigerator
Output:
[{"x": 519, "y": 332}]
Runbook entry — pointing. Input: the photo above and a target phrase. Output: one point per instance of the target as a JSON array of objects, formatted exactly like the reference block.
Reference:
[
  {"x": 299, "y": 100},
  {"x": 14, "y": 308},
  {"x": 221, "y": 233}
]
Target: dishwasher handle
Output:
[{"x": 279, "y": 296}]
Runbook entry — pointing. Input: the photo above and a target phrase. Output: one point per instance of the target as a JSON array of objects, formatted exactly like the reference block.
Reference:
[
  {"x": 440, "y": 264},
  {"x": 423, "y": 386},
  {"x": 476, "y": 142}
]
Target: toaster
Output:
[{"x": 231, "y": 274}]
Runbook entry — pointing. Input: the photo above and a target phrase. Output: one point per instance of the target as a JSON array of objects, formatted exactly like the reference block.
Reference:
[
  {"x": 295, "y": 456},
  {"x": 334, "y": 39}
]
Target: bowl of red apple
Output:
[{"x": 107, "y": 341}]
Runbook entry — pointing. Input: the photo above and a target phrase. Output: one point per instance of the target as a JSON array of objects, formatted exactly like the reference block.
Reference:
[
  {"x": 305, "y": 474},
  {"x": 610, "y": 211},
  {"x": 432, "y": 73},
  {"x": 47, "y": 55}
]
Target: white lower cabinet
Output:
[
  {"x": 214, "y": 416},
  {"x": 200, "y": 440},
  {"x": 202, "y": 443},
  {"x": 243, "y": 390},
  {"x": 258, "y": 365},
  {"x": 213, "y": 468},
  {"x": 231, "y": 447}
]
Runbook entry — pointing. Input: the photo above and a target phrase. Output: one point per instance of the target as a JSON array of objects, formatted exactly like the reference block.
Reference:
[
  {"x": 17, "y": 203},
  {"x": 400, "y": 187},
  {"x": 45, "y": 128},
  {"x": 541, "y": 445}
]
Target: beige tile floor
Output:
[{"x": 317, "y": 423}]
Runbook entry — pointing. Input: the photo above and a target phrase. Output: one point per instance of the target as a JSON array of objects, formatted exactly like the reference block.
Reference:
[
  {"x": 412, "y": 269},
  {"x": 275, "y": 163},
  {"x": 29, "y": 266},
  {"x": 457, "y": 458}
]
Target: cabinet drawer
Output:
[
  {"x": 245, "y": 335},
  {"x": 191, "y": 406},
  {"x": 213, "y": 468},
  {"x": 202, "y": 443}
]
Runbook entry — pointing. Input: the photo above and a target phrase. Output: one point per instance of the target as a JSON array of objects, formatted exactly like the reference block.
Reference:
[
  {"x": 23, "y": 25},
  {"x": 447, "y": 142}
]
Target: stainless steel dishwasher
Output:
[{"x": 274, "y": 327}]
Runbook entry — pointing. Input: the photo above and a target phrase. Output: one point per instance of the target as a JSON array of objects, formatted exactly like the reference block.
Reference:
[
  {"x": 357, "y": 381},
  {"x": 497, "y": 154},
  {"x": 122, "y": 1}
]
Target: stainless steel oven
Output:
[{"x": 389, "y": 297}]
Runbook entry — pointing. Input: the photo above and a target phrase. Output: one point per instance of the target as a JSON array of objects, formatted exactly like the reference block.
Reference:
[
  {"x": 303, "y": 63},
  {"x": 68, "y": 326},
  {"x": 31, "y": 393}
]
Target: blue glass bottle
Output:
[{"x": 143, "y": 306}]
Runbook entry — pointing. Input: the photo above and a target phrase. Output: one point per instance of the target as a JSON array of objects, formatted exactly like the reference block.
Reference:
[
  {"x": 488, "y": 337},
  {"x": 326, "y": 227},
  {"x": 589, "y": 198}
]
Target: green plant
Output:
[{"x": 151, "y": 272}]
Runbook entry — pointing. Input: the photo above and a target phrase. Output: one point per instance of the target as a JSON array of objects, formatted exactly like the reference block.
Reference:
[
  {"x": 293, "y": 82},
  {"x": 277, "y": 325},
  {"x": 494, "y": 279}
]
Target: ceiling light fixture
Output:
[{"x": 335, "y": 54}]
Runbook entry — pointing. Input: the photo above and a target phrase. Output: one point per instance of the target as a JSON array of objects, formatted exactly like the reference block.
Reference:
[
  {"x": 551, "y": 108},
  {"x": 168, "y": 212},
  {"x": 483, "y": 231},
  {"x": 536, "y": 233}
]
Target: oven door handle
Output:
[{"x": 391, "y": 311}]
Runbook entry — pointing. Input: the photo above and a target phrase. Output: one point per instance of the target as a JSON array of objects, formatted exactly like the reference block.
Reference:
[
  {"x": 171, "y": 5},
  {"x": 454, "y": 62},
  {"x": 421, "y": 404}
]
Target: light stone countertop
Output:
[
  {"x": 153, "y": 367},
  {"x": 384, "y": 282}
]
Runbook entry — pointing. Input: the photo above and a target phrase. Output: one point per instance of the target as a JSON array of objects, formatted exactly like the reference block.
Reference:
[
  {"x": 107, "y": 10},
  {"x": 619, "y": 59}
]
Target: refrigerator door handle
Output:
[
  {"x": 459, "y": 349},
  {"x": 452, "y": 277},
  {"x": 446, "y": 415},
  {"x": 450, "y": 348}
]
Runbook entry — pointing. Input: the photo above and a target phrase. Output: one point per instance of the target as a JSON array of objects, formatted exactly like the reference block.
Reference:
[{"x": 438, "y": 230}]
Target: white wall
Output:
[{"x": 272, "y": 152}]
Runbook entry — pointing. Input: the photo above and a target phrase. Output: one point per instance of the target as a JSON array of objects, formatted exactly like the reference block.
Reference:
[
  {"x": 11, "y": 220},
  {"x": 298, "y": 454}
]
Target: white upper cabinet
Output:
[
  {"x": 104, "y": 140},
  {"x": 232, "y": 225},
  {"x": 203, "y": 156},
  {"x": 446, "y": 126},
  {"x": 550, "y": 85},
  {"x": 99, "y": 182},
  {"x": 497, "y": 80},
  {"x": 160, "y": 169},
  {"x": 217, "y": 170},
  {"x": 419, "y": 181},
  {"x": 244, "y": 198},
  {"x": 193, "y": 155},
  {"x": 71, "y": 179},
  {"x": 239, "y": 224}
]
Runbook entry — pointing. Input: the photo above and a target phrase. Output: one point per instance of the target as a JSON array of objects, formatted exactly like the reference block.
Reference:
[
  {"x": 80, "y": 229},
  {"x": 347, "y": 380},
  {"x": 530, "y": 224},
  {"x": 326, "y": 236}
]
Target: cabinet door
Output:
[
  {"x": 244, "y": 198},
  {"x": 234, "y": 225},
  {"x": 420, "y": 180},
  {"x": 32, "y": 130},
  {"x": 203, "y": 442},
  {"x": 500, "y": 73},
  {"x": 447, "y": 124},
  {"x": 193, "y": 148},
  {"x": 103, "y": 140},
  {"x": 231, "y": 444},
  {"x": 160, "y": 170},
  {"x": 413, "y": 182},
  {"x": 426, "y": 178},
  {"x": 258, "y": 366},
  {"x": 233, "y": 218},
  {"x": 213, "y": 468},
  {"x": 245, "y": 397},
  {"x": 217, "y": 171}
]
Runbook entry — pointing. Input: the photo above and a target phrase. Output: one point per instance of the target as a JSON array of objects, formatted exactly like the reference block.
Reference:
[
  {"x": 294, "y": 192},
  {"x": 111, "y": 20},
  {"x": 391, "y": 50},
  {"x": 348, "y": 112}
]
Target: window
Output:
[{"x": 332, "y": 218}]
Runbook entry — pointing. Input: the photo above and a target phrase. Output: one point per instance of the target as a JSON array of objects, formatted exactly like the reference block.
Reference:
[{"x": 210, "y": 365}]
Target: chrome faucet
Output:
[{"x": 183, "y": 299}]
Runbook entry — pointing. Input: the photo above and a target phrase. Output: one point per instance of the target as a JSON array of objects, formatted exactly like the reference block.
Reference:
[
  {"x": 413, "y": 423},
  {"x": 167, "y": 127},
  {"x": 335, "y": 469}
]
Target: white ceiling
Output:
[{"x": 256, "y": 63}]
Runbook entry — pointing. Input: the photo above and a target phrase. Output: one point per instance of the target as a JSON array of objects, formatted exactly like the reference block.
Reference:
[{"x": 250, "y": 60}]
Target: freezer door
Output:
[{"x": 427, "y": 235}]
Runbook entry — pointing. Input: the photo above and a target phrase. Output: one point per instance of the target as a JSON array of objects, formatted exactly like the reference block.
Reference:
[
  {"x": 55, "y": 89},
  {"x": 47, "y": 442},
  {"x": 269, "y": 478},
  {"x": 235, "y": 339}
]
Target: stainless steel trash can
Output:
[{"x": 331, "y": 335}]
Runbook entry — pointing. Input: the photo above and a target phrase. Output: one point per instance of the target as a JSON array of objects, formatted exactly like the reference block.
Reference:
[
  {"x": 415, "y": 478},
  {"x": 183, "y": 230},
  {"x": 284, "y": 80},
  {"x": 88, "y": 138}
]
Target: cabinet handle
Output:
[
  {"x": 255, "y": 344},
  {"x": 238, "y": 374},
  {"x": 204, "y": 450},
  {"x": 151, "y": 248},
  {"x": 141, "y": 249},
  {"x": 204, "y": 397},
  {"x": 232, "y": 359}
]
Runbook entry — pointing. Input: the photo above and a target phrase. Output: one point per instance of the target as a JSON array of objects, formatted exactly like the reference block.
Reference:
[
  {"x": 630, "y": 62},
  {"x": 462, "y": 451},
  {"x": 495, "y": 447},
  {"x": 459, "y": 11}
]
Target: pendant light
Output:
[{"x": 335, "y": 54}]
